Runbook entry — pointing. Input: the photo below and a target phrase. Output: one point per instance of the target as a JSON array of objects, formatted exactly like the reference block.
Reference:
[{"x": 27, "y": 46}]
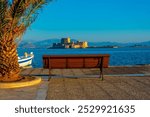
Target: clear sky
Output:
[{"x": 93, "y": 20}]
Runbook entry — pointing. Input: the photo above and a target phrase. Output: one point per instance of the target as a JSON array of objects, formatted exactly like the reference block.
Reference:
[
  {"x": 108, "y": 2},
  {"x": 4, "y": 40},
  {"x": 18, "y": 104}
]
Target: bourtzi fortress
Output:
[{"x": 67, "y": 43}]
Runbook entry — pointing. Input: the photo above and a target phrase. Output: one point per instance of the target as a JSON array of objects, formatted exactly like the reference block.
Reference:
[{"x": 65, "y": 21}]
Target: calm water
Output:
[{"x": 118, "y": 56}]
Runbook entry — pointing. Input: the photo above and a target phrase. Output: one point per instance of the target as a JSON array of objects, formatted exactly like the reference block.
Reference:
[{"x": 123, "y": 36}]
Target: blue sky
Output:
[{"x": 93, "y": 20}]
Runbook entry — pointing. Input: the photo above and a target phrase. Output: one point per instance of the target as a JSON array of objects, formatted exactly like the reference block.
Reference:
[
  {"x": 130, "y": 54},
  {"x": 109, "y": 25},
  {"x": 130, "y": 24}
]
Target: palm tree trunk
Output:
[{"x": 9, "y": 66}]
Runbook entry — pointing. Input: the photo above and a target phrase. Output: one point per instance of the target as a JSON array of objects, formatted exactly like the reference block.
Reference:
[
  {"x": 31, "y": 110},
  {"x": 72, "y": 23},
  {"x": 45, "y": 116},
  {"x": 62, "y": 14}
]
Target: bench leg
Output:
[
  {"x": 49, "y": 75},
  {"x": 101, "y": 73}
]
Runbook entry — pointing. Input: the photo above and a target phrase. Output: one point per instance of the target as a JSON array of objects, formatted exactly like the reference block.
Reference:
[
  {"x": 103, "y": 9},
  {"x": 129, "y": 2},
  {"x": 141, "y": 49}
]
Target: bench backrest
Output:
[{"x": 75, "y": 61}]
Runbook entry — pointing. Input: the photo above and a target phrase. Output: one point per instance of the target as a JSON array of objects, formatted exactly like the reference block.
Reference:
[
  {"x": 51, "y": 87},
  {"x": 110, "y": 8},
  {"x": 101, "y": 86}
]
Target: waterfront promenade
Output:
[{"x": 132, "y": 82}]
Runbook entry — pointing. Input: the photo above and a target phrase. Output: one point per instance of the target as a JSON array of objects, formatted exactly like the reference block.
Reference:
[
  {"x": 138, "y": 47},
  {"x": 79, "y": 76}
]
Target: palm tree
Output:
[{"x": 15, "y": 17}]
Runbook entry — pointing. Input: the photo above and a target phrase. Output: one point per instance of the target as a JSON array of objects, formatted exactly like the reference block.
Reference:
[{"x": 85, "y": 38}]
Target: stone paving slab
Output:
[
  {"x": 36, "y": 92},
  {"x": 121, "y": 88},
  {"x": 26, "y": 93}
]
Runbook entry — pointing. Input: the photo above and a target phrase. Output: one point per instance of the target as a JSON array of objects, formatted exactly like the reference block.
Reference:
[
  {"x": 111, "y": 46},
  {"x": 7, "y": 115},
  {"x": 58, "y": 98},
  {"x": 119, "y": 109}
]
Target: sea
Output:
[{"x": 118, "y": 56}]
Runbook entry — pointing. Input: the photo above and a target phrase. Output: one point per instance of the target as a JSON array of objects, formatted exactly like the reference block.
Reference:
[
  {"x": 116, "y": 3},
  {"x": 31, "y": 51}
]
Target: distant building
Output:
[
  {"x": 66, "y": 43},
  {"x": 65, "y": 40}
]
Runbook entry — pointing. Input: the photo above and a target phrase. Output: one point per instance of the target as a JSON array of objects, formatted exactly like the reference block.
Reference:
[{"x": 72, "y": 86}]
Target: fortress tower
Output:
[{"x": 65, "y": 40}]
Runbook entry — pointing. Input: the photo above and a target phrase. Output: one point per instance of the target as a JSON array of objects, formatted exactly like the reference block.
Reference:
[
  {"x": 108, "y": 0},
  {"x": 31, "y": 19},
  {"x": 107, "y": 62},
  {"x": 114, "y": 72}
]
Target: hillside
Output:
[{"x": 49, "y": 42}]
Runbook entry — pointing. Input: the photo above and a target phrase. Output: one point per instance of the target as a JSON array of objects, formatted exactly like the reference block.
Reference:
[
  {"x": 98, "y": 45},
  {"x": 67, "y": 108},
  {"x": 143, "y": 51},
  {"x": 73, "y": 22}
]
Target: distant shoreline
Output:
[{"x": 103, "y": 47}]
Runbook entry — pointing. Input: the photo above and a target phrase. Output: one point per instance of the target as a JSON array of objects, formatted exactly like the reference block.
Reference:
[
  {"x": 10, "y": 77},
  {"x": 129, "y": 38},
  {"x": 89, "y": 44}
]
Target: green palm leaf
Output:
[{"x": 18, "y": 14}]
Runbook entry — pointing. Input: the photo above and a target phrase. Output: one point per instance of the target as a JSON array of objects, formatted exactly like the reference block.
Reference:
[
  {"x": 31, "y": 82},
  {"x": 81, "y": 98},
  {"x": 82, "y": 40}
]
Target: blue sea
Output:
[{"x": 118, "y": 56}]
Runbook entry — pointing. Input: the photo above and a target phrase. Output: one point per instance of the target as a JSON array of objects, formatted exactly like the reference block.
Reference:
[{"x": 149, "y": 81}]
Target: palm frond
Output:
[
  {"x": 3, "y": 7},
  {"x": 3, "y": 10},
  {"x": 31, "y": 13},
  {"x": 18, "y": 15}
]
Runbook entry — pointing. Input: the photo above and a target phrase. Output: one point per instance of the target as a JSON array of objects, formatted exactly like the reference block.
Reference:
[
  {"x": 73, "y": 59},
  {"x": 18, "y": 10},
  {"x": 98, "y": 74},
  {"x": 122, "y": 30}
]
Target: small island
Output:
[{"x": 67, "y": 43}]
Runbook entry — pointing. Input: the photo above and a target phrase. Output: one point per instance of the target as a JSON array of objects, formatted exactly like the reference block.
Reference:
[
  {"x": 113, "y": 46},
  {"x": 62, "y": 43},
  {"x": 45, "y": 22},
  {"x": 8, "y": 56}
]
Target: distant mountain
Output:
[
  {"x": 25, "y": 44},
  {"x": 49, "y": 42},
  {"x": 147, "y": 43},
  {"x": 103, "y": 43},
  {"x": 38, "y": 44},
  {"x": 46, "y": 43}
]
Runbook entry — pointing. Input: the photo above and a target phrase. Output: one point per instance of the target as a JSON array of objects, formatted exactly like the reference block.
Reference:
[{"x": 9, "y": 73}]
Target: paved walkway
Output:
[
  {"x": 92, "y": 88},
  {"x": 119, "y": 83}
]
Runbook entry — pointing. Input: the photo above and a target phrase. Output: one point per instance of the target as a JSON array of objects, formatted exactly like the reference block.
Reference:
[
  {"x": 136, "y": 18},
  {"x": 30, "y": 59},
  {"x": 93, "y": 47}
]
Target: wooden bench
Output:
[{"x": 76, "y": 61}]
